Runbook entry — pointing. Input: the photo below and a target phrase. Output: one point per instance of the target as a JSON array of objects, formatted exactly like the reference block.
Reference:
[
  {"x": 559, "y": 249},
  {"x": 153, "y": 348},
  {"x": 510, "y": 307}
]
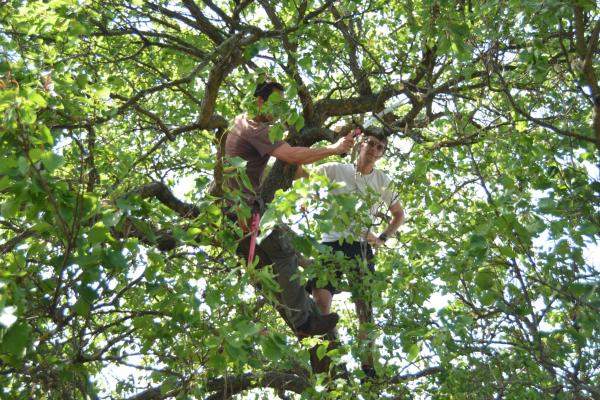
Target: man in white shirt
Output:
[{"x": 356, "y": 241}]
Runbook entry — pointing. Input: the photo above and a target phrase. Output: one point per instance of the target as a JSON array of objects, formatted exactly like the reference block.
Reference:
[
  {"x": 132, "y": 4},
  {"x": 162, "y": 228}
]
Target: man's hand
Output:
[
  {"x": 374, "y": 240},
  {"x": 343, "y": 145}
]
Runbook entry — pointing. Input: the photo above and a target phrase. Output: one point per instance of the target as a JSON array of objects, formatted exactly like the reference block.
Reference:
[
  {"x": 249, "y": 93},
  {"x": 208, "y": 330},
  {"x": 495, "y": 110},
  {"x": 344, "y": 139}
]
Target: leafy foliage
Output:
[{"x": 112, "y": 286}]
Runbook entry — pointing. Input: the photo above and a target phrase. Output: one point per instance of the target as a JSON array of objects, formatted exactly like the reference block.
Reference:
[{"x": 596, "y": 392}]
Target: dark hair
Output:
[
  {"x": 264, "y": 89},
  {"x": 377, "y": 133}
]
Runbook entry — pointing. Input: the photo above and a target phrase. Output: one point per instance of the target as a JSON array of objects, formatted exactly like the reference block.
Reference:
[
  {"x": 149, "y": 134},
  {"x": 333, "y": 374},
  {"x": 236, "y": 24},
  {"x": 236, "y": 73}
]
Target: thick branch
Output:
[
  {"x": 227, "y": 387},
  {"x": 271, "y": 379},
  {"x": 586, "y": 53},
  {"x": 326, "y": 108},
  {"x": 165, "y": 196}
]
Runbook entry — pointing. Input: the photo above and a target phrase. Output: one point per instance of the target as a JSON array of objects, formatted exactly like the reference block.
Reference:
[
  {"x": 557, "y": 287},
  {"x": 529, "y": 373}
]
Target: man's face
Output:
[
  {"x": 265, "y": 108},
  {"x": 372, "y": 149}
]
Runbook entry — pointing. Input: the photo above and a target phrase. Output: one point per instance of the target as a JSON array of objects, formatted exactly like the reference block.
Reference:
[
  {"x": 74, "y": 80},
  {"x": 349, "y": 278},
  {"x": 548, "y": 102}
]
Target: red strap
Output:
[{"x": 253, "y": 234}]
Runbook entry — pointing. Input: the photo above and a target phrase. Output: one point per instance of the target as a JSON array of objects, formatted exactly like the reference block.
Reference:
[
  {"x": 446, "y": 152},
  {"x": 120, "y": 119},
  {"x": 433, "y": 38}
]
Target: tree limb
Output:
[
  {"x": 226, "y": 387},
  {"x": 163, "y": 194}
]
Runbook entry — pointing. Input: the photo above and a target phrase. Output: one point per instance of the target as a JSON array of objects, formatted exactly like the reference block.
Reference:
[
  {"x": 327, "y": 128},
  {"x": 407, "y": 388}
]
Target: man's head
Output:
[
  {"x": 372, "y": 147},
  {"x": 262, "y": 93},
  {"x": 265, "y": 89}
]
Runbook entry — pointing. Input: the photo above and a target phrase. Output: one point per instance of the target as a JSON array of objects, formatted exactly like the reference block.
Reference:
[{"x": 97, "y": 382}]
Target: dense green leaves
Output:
[{"x": 111, "y": 283}]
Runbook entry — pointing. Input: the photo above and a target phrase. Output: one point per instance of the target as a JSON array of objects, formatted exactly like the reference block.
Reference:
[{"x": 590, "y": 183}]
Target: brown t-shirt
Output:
[{"x": 249, "y": 140}]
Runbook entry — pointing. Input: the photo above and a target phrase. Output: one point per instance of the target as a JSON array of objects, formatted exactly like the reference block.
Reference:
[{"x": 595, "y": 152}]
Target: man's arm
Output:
[
  {"x": 307, "y": 155},
  {"x": 397, "y": 220}
]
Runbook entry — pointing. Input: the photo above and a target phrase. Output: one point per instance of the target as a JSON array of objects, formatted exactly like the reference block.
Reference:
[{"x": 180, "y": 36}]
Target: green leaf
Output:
[
  {"x": 116, "y": 260},
  {"x": 487, "y": 298},
  {"x": 275, "y": 97},
  {"x": 35, "y": 154},
  {"x": 45, "y": 135},
  {"x": 216, "y": 361},
  {"x": 51, "y": 161},
  {"x": 485, "y": 278},
  {"x": 112, "y": 218},
  {"x": 103, "y": 93},
  {"x": 589, "y": 229},
  {"x": 4, "y": 66},
  {"x": 299, "y": 124},
  {"x": 547, "y": 204},
  {"x": 10, "y": 208},
  {"x": 348, "y": 202},
  {"x": 144, "y": 227},
  {"x": 420, "y": 168},
  {"x": 38, "y": 100},
  {"x": 478, "y": 247},
  {"x": 98, "y": 234},
  {"x": 88, "y": 294},
  {"x": 82, "y": 307},
  {"x": 413, "y": 352},
  {"x": 4, "y": 183},
  {"x": 16, "y": 338},
  {"x": 271, "y": 349},
  {"x": 276, "y": 133},
  {"x": 322, "y": 350},
  {"x": 303, "y": 245},
  {"x": 234, "y": 349},
  {"x": 23, "y": 165},
  {"x": 305, "y": 62},
  {"x": 251, "y": 51},
  {"x": 247, "y": 328},
  {"x": 267, "y": 280},
  {"x": 212, "y": 297}
]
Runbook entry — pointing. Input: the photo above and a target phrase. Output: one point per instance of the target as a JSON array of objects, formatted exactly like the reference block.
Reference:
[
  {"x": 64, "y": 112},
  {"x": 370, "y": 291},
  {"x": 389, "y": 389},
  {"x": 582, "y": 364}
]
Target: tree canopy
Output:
[{"x": 115, "y": 284}]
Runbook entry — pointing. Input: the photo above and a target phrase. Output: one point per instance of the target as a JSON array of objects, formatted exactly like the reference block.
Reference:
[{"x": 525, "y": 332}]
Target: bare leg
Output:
[{"x": 323, "y": 298}]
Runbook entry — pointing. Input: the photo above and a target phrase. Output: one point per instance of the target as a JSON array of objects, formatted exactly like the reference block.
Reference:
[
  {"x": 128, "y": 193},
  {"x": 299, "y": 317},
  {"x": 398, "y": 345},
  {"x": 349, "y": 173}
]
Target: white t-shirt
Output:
[{"x": 373, "y": 189}]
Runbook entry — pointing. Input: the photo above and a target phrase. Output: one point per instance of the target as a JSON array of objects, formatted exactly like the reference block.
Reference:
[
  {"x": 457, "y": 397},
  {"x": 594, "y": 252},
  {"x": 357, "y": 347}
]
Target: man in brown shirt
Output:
[{"x": 249, "y": 139}]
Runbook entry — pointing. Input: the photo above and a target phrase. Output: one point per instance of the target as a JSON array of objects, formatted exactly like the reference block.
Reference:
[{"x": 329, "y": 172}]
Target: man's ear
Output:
[{"x": 260, "y": 101}]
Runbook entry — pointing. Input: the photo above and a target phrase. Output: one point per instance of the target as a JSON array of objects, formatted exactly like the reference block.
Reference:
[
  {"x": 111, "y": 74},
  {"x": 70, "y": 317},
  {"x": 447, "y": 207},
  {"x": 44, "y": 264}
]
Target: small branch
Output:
[
  {"x": 417, "y": 375},
  {"x": 360, "y": 76},
  {"x": 10, "y": 244},
  {"x": 539, "y": 121},
  {"x": 203, "y": 23},
  {"x": 292, "y": 67}
]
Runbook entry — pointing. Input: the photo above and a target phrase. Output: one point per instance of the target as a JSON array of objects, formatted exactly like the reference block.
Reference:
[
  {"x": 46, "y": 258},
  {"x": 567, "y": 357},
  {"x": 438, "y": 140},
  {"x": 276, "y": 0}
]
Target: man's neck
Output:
[
  {"x": 262, "y": 118},
  {"x": 365, "y": 168}
]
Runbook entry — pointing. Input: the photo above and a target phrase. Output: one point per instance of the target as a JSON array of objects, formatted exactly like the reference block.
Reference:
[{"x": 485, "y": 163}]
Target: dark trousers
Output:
[
  {"x": 358, "y": 273},
  {"x": 294, "y": 303}
]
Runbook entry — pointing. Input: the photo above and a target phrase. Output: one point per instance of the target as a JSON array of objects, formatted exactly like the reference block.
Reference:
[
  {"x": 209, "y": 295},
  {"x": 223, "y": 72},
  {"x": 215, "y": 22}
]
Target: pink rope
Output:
[{"x": 253, "y": 234}]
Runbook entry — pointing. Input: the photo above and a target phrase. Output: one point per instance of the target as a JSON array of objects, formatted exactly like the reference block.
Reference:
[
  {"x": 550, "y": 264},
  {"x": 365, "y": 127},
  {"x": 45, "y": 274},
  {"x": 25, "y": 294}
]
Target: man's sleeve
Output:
[
  {"x": 327, "y": 169},
  {"x": 321, "y": 170},
  {"x": 261, "y": 142}
]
